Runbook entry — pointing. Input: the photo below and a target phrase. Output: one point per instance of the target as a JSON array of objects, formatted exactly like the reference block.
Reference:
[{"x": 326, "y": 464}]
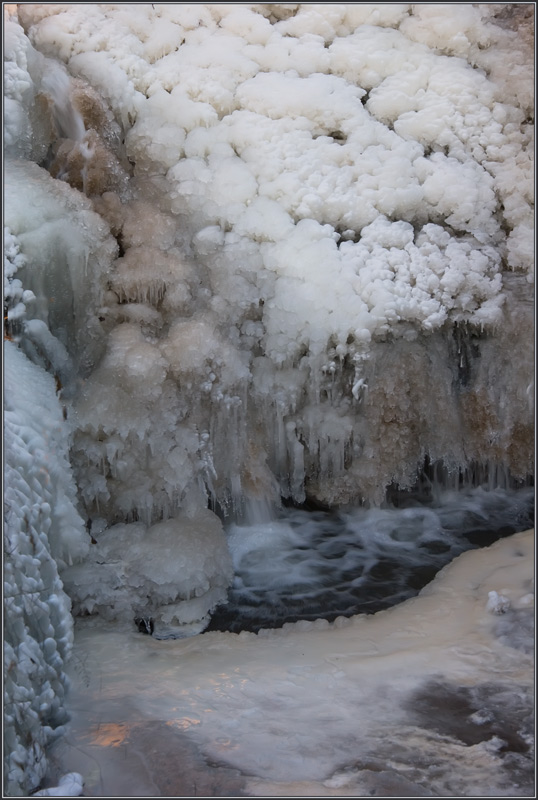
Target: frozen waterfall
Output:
[{"x": 258, "y": 259}]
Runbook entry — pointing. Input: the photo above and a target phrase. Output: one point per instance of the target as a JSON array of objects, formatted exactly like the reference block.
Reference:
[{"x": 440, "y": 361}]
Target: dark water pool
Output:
[{"x": 307, "y": 565}]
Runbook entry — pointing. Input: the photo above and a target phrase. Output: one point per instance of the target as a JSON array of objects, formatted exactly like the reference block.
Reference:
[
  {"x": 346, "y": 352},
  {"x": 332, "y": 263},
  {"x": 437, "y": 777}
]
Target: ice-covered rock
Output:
[
  {"x": 173, "y": 573},
  {"x": 70, "y": 785},
  {"x": 319, "y": 222},
  {"x": 43, "y": 531}
]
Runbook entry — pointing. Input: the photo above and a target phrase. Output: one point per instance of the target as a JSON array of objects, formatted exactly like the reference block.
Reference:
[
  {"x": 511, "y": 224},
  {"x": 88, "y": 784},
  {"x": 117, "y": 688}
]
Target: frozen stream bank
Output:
[{"x": 430, "y": 698}]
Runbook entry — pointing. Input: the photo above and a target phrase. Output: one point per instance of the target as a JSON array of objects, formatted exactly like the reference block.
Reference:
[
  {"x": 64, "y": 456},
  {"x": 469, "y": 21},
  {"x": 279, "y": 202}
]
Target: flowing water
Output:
[{"x": 317, "y": 564}]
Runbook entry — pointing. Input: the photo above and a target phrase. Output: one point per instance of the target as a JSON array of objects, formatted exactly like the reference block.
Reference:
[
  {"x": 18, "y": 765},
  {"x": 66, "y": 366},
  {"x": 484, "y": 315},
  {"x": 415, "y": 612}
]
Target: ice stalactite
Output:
[{"x": 67, "y": 248}]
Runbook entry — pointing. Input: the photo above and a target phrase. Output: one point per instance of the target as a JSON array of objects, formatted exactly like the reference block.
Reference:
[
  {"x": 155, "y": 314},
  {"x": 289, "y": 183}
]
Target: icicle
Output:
[
  {"x": 87, "y": 152},
  {"x": 57, "y": 84},
  {"x": 296, "y": 463}
]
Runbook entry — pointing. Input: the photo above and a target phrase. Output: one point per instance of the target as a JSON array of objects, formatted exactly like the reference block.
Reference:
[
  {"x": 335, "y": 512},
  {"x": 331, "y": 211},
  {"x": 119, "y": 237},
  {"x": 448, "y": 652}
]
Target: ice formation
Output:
[
  {"x": 69, "y": 785},
  {"x": 43, "y": 531},
  {"x": 173, "y": 573},
  {"x": 267, "y": 251},
  {"x": 320, "y": 210}
]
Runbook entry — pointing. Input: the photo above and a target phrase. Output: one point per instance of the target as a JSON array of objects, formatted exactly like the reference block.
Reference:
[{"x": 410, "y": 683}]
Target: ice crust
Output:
[{"x": 429, "y": 698}]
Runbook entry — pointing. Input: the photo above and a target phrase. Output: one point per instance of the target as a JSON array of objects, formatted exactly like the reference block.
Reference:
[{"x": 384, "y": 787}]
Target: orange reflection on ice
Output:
[
  {"x": 184, "y": 723},
  {"x": 110, "y": 734},
  {"x": 223, "y": 744}
]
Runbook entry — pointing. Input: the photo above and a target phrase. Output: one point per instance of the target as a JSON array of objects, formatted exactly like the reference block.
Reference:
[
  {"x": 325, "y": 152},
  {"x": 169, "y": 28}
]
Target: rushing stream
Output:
[{"x": 314, "y": 564}]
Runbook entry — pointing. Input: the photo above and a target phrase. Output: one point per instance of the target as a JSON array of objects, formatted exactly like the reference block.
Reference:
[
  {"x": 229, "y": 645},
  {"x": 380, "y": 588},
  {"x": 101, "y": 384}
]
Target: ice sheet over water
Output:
[{"x": 430, "y": 698}]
